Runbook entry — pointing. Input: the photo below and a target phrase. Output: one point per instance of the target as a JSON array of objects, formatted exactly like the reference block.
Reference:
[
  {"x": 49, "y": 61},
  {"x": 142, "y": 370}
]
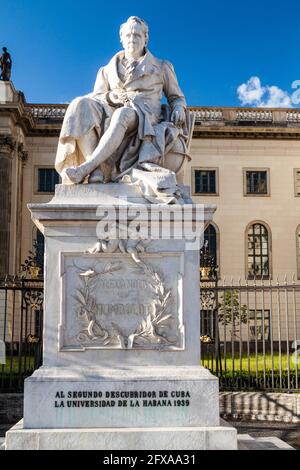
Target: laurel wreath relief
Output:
[{"x": 147, "y": 331}]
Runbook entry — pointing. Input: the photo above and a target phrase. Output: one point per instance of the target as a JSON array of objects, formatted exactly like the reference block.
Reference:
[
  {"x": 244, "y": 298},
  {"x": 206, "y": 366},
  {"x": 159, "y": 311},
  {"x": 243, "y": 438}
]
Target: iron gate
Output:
[{"x": 21, "y": 326}]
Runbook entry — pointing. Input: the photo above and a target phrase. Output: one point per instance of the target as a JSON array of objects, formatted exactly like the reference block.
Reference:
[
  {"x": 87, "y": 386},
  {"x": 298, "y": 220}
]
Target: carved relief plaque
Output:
[{"x": 121, "y": 301}]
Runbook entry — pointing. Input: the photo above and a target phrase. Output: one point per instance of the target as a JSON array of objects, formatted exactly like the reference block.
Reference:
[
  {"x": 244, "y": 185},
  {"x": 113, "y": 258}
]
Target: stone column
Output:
[
  {"x": 7, "y": 146},
  {"x": 17, "y": 186}
]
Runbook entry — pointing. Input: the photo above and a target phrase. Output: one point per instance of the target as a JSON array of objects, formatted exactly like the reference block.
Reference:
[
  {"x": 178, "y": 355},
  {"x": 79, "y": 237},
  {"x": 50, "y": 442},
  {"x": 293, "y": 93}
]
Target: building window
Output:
[
  {"x": 297, "y": 181},
  {"x": 258, "y": 257},
  {"x": 259, "y": 325},
  {"x": 40, "y": 249},
  {"x": 210, "y": 238},
  {"x": 47, "y": 178},
  {"x": 256, "y": 182},
  {"x": 205, "y": 181}
]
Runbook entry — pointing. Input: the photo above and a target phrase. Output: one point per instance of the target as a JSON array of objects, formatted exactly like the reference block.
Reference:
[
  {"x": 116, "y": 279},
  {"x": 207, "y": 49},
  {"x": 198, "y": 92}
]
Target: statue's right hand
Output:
[{"x": 115, "y": 98}]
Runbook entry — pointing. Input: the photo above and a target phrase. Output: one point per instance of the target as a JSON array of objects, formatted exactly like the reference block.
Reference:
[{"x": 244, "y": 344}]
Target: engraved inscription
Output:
[{"x": 122, "y": 399}]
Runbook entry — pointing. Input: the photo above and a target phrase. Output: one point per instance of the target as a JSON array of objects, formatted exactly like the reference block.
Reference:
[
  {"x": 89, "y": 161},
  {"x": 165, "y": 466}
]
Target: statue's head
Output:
[
  {"x": 134, "y": 36},
  {"x": 4, "y": 49}
]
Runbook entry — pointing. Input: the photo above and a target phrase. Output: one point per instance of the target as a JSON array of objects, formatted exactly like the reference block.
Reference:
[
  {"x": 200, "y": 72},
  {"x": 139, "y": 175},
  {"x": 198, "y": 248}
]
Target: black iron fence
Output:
[
  {"x": 21, "y": 318},
  {"x": 250, "y": 333}
]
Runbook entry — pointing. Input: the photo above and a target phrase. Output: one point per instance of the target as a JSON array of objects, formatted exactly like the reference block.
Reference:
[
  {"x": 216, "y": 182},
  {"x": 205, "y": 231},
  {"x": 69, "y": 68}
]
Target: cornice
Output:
[
  {"x": 17, "y": 112},
  {"x": 241, "y": 132}
]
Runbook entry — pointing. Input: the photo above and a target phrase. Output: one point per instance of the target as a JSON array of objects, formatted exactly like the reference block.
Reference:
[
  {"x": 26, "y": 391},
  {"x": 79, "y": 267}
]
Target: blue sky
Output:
[{"x": 214, "y": 45}]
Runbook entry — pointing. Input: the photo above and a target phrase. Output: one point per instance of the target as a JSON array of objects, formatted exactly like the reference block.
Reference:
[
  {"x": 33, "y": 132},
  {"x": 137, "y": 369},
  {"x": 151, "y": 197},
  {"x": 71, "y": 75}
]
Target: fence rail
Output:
[{"x": 250, "y": 334}]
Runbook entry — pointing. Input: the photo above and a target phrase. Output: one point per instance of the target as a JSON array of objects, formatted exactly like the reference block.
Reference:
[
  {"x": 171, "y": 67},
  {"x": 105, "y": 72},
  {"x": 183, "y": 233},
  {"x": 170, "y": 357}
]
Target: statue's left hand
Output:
[{"x": 178, "y": 116}]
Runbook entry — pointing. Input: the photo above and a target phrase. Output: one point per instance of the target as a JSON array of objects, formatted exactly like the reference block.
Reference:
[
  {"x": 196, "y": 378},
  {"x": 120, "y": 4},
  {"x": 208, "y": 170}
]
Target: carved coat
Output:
[{"x": 150, "y": 79}]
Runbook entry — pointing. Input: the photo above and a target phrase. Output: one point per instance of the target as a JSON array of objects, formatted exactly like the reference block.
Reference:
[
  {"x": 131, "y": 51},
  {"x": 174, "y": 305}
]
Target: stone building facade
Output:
[{"x": 244, "y": 160}]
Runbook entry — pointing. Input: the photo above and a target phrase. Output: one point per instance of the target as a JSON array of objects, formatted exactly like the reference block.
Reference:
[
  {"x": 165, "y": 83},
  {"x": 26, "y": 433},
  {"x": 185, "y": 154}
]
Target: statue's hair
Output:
[{"x": 136, "y": 19}]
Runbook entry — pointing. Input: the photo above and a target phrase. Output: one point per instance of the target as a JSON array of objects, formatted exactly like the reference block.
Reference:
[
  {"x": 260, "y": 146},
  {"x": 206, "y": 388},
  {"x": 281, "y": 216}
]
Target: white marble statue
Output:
[{"x": 121, "y": 128}]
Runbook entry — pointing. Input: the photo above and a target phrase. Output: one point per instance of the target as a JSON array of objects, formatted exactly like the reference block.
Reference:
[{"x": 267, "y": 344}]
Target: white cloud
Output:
[
  {"x": 252, "y": 93},
  {"x": 277, "y": 98}
]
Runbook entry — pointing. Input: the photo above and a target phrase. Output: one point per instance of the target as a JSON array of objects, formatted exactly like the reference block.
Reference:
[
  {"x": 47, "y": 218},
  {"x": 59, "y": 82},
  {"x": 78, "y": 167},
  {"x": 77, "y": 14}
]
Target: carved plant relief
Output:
[{"x": 143, "y": 323}]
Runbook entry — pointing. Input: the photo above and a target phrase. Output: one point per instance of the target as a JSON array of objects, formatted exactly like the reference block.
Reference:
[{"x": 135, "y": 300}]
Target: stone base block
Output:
[
  {"x": 129, "y": 397},
  {"x": 173, "y": 438}
]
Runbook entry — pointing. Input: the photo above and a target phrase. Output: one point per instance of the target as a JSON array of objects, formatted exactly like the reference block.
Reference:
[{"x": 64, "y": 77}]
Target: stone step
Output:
[{"x": 247, "y": 442}]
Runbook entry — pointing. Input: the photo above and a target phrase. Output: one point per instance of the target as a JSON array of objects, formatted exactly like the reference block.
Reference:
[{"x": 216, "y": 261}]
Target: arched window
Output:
[
  {"x": 40, "y": 249},
  {"x": 258, "y": 255},
  {"x": 210, "y": 237},
  {"x": 208, "y": 309}
]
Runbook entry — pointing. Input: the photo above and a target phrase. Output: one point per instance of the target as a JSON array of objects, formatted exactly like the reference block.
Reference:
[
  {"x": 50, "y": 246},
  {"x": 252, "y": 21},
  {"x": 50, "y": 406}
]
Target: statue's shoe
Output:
[
  {"x": 96, "y": 176},
  {"x": 75, "y": 174}
]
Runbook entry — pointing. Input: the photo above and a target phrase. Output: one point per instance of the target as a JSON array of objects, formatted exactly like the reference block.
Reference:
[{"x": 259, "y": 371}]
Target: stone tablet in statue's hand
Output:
[{"x": 178, "y": 116}]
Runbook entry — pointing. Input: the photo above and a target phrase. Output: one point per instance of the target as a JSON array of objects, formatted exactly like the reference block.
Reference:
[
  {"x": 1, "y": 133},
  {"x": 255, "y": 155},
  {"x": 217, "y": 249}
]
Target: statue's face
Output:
[{"x": 133, "y": 39}]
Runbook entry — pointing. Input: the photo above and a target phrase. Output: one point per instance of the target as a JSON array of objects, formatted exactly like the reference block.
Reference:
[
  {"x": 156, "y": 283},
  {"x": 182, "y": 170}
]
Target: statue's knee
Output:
[
  {"x": 81, "y": 102},
  {"x": 87, "y": 109},
  {"x": 126, "y": 116}
]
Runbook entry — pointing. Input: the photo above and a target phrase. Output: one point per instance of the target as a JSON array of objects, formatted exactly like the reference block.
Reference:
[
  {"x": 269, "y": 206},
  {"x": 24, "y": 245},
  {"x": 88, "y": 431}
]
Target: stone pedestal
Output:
[
  {"x": 7, "y": 92},
  {"x": 121, "y": 329},
  {"x": 130, "y": 396}
]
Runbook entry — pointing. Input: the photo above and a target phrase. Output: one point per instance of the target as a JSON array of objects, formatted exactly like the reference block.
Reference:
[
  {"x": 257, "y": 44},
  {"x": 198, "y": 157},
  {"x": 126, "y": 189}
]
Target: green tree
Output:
[{"x": 230, "y": 312}]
